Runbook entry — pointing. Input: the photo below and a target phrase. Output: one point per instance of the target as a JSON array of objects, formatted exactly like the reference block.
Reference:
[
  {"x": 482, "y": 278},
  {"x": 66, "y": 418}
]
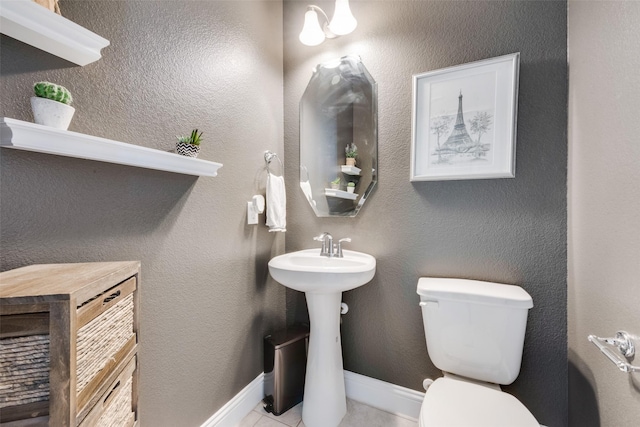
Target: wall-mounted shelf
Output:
[
  {"x": 330, "y": 192},
  {"x": 43, "y": 139},
  {"x": 37, "y": 26},
  {"x": 350, "y": 170}
]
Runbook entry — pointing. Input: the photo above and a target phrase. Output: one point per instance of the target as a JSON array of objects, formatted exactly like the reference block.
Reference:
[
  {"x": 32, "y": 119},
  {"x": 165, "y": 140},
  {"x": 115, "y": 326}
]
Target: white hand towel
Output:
[{"x": 276, "y": 203}]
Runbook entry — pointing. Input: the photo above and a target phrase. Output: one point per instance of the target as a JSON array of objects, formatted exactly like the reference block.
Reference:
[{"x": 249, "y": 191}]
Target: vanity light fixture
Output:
[{"x": 342, "y": 23}]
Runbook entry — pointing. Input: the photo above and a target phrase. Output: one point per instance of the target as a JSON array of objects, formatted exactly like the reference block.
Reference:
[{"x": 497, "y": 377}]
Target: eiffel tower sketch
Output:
[{"x": 460, "y": 147}]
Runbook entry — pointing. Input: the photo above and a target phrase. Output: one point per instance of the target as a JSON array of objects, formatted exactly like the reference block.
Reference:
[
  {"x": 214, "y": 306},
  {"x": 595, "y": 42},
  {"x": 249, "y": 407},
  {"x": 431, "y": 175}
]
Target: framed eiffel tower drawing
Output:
[{"x": 464, "y": 121}]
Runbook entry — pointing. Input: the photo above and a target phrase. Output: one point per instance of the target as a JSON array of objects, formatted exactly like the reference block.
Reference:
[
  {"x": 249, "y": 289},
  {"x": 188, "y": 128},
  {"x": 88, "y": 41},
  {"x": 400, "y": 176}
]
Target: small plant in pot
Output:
[
  {"x": 351, "y": 187},
  {"x": 351, "y": 151},
  {"x": 189, "y": 145},
  {"x": 335, "y": 184},
  {"x": 51, "y": 105}
]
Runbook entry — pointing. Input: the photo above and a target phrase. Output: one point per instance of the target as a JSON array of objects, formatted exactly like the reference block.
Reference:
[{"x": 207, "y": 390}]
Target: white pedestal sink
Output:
[{"x": 323, "y": 280}]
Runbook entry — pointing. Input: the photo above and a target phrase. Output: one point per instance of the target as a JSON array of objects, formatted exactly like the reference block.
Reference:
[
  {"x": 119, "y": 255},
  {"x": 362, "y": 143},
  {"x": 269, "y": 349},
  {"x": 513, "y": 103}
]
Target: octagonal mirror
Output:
[{"x": 339, "y": 137}]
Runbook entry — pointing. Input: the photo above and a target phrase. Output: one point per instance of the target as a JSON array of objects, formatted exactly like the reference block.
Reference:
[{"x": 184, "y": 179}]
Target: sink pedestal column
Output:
[{"x": 325, "y": 401}]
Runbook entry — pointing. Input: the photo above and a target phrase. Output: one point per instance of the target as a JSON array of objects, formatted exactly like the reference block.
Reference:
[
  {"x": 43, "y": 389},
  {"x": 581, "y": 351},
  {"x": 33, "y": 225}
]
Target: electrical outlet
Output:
[{"x": 252, "y": 214}]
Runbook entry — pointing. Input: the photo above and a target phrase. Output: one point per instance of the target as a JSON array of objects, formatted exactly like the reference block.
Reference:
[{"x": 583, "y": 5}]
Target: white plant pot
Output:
[
  {"x": 51, "y": 113},
  {"x": 351, "y": 189}
]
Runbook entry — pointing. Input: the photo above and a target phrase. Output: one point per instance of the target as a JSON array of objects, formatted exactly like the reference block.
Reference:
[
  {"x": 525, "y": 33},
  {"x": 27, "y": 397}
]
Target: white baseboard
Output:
[
  {"x": 239, "y": 406},
  {"x": 398, "y": 400},
  {"x": 388, "y": 397},
  {"x": 395, "y": 399}
]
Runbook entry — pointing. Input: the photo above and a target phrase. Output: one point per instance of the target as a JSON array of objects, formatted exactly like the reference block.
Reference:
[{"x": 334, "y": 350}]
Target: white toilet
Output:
[{"x": 475, "y": 335}]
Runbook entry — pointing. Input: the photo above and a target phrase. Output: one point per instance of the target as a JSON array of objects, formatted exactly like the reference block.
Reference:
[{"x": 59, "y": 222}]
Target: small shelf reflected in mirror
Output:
[
  {"x": 330, "y": 192},
  {"x": 351, "y": 170}
]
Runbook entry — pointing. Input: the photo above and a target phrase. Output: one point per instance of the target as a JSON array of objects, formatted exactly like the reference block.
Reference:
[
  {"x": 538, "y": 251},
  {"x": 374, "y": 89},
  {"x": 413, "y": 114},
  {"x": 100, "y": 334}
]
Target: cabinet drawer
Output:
[
  {"x": 115, "y": 406},
  {"x": 105, "y": 337},
  {"x": 24, "y": 376}
]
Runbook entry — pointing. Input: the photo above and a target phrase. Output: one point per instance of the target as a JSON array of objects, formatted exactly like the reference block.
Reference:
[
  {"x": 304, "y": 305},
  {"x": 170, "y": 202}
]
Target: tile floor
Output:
[{"x": 358, "y": 415}]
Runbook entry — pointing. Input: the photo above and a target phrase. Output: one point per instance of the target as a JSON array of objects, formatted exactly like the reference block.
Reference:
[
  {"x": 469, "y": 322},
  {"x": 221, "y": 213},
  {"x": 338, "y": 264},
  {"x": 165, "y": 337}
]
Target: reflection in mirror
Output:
[{"x": 339, "y": 137}]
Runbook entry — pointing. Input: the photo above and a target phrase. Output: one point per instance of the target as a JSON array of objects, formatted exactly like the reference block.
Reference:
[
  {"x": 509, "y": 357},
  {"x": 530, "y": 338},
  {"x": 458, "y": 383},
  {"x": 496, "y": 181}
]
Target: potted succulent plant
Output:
[
  {"x": 335, "y": 184},
  {"x": 351, "y": 187},
  {"x": 51, "y": 105},
  {"x": 351, "y": 151},
  {"x": 189, "y": 145}
]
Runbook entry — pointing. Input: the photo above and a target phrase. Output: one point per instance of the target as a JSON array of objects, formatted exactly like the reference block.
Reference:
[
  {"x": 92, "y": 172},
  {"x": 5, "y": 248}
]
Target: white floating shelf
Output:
[
  {"x": 37, "y": 26},
  {"x": 330, "y": 192},
  {"x": 43, "y": 139},
  {"x": 350, "y": 170}
]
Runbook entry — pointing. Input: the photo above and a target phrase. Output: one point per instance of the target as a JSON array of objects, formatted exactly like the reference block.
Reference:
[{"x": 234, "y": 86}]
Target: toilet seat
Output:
[{"x": 452, "y": 402}]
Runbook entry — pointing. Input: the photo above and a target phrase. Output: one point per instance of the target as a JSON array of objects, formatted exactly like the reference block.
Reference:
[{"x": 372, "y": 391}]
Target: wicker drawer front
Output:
[
  {"x": 68, "y": 333},
  {"x": 105, "y": 330},
  {"x": 24, "y": 370},
  {"x": 115, "y": 407}
]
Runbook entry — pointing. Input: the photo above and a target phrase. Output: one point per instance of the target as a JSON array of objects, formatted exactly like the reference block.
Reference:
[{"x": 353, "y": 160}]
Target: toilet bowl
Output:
[
  {"x": 475, "y": 335},
  {"x": 456, "y": 402}
]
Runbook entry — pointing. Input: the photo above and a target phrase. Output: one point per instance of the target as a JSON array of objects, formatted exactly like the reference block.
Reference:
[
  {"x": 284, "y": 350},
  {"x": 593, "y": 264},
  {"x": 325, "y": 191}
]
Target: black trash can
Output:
[{"x": 285, "y": 366}]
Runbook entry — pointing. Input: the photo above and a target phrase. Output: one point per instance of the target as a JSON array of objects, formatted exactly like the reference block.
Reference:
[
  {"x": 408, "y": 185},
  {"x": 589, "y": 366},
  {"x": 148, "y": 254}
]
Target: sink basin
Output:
[
  {"x": 323, "y": 280},
  {"x": 307, "y": 271}
]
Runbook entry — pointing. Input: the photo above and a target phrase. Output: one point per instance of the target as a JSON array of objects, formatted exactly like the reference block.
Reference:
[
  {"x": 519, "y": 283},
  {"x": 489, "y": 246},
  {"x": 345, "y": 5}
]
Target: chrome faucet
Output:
[
  {"x": 327, "y": 244},
  {"x": 328, "y": 248}
]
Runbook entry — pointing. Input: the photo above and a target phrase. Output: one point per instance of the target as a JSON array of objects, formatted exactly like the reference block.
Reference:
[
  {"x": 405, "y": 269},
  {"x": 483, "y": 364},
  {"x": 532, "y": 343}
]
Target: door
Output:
[{"x": 604, "y": 207}]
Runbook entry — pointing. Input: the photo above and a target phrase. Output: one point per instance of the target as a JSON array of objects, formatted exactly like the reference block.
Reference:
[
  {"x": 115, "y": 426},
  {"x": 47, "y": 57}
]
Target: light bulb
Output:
[
  {"x": 343, "y": 21},
  {"x": 311, "y": 34}
]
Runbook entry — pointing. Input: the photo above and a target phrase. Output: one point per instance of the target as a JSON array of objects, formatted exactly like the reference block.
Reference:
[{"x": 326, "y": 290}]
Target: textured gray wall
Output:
[
  {"x": 504, "y": 230},
  {"x": 206, "y": 296},
  {"x": 604, "y": 201}
]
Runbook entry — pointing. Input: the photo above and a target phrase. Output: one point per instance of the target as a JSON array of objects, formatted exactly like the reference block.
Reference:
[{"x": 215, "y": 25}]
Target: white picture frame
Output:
[{"x": 464, "y": 121}]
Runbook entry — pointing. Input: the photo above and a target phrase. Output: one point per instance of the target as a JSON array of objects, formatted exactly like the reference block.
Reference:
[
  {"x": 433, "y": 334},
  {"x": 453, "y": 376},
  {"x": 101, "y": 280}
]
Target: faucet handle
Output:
[
  {"x": 321, "y": 237},
  {"x": 345, "y": 239}
]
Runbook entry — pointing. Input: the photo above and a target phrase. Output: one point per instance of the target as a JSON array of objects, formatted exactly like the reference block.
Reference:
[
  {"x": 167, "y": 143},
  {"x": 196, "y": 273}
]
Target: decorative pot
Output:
[
  {"x": 51, "y": 113},
  {"x": 188, "y": 150},
  {"x": 335, "y": 186},
  {"x": 52, "y": 5},
  {"x": 351, "y": 189},
  {"x": 351, "y": 161}
]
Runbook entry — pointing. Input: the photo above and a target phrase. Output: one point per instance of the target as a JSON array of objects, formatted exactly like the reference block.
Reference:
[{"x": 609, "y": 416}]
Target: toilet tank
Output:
[{"x": 473, "y": 328}]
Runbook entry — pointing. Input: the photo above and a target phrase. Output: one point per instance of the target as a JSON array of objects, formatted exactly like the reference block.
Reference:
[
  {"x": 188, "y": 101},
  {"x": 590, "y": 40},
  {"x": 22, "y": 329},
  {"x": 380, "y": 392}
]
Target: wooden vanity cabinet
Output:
[{"x": 69, "y": 344}]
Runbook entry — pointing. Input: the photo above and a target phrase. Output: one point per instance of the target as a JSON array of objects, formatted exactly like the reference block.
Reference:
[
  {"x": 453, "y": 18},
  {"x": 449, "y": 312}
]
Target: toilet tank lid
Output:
[{"x": 474, "y": 291}]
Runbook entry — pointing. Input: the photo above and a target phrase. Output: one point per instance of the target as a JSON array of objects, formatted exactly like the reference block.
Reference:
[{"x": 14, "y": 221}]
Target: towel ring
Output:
[{"x": 269, "y": 156}]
